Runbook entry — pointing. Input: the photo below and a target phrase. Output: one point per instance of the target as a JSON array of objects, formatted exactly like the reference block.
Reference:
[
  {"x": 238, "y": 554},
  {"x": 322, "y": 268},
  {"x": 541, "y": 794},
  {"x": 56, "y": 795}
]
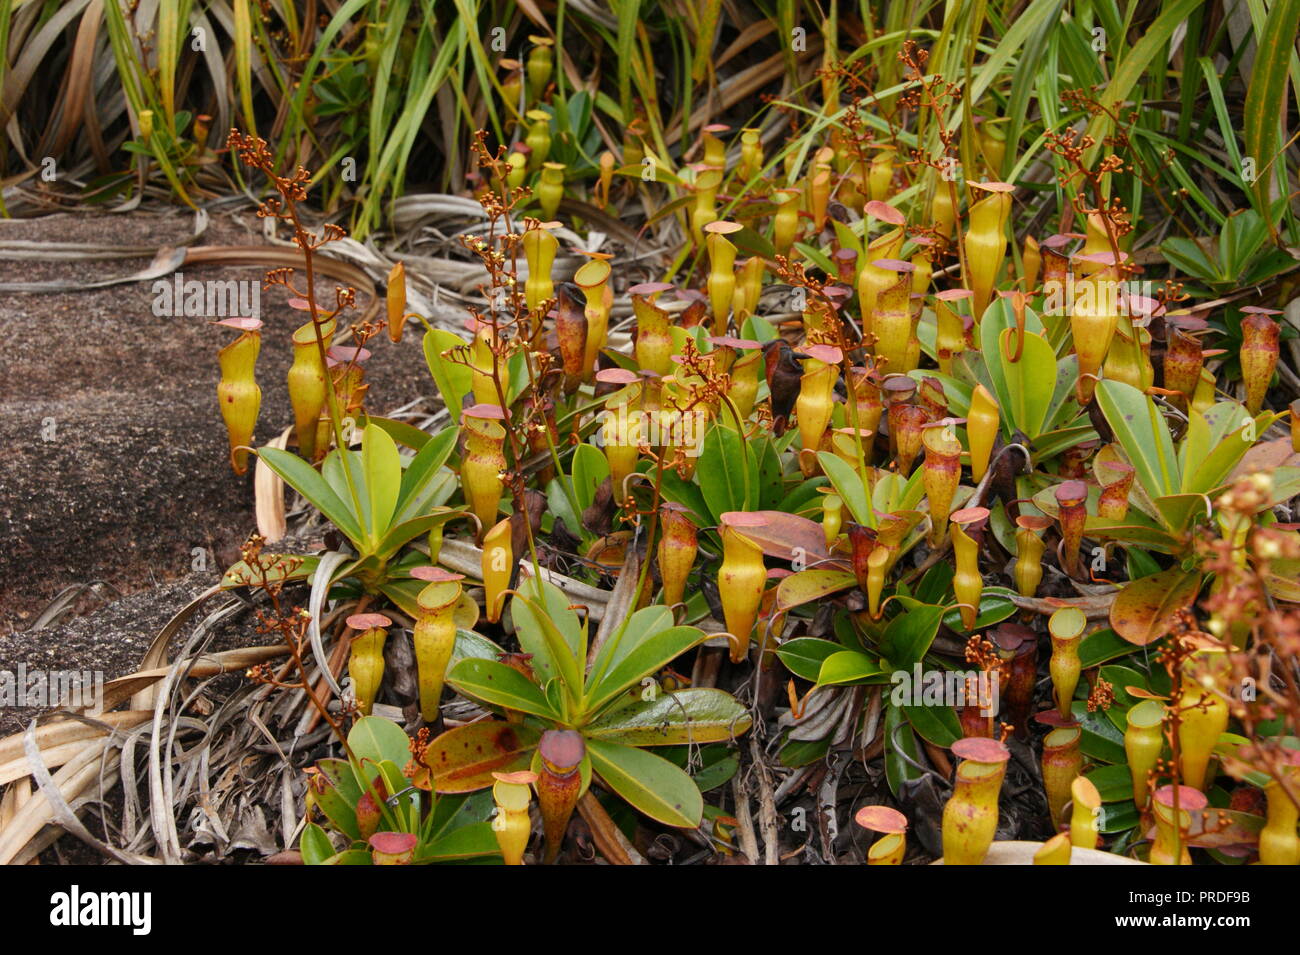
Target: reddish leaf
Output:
[
  {"x": 464, "y": 759},
  {"x": 787, "y": 537},
  {"x": 1144, "y": 608},
  {"x": 1267, "y": 456},
  {"x": 810, "y": 585},
  {"x": 1221, "y": 829}
]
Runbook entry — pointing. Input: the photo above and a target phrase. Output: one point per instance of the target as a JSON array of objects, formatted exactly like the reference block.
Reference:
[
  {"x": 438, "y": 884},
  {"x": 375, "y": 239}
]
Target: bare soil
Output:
[{"x": 116, "y": 465}]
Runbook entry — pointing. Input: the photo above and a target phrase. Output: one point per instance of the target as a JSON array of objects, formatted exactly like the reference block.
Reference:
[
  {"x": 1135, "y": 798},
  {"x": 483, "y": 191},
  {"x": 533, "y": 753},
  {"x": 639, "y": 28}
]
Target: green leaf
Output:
[
  {"x": 908, "y": 636},
  {"x": 1114, "y": 783},
  {"x": 308, "y": 482},
  {"x": 452, "y": 810},
  {"x": 632, "y": 634},
  {"x": 803, "y": 752},
  {"x": 1100, "y": 740},
  {"x": 1179, "y": 511},
  {"x": 804, "y": 497},
  {"x": 710, "y": 766},
  {"x": 453, "y": 379},
  {"x": 650, "y": 783},
  {"x": 1265, "y": 111},
  {"x": 1186, "y": 255},
  {"x": 472, "y": 645},
  {"x": 1118, "y": 816},
  {"x": 695, "y": 715},
  {"x": 1142, "y": 433},
  {"x": 401, "y": 432},
  {"x": 850, "y": 666},
  {"x": 1240, "y": 238},
  {"x": 553, "y": 656},
  {"x": 499, "y": 685},
  {"x": 404, "y": 804},
  {"x": 996, "y": 605},
  {"x": 399, "y": 535},
  {"x": 727, "y": 471},
  {"x": 377, "y": 739},
  {"x": 1102, "y": 645},
  {"x": 1023, "y": 388},
  {"x": 466, "y": 842},
  {"x": 1133, "y": 64},
  {"x": 382, "y": 466},
  {"x": 589, "y": 469},
  {"x": 652, "y": 654},
  {"x": 314, "y": 845},
  {"x": 560, "y": 507},
  {"x": 680, "y": 491},
  {"x": 419, "y": 479},
  {"x": 1031, "y": 380},
  {"x": 771, "y": 479},
  {"x": 848, "y": 485},
  {"x": 936, "y": 584},
  {"x": 1207, "y": 471},
  {"x": 804, "y": 656},
  {"x": 1134, "y": 529},
  {"x": 938, "y": 724},
  {"x": 900, "y": 742},
  {"x": 337, "y": 799}
]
